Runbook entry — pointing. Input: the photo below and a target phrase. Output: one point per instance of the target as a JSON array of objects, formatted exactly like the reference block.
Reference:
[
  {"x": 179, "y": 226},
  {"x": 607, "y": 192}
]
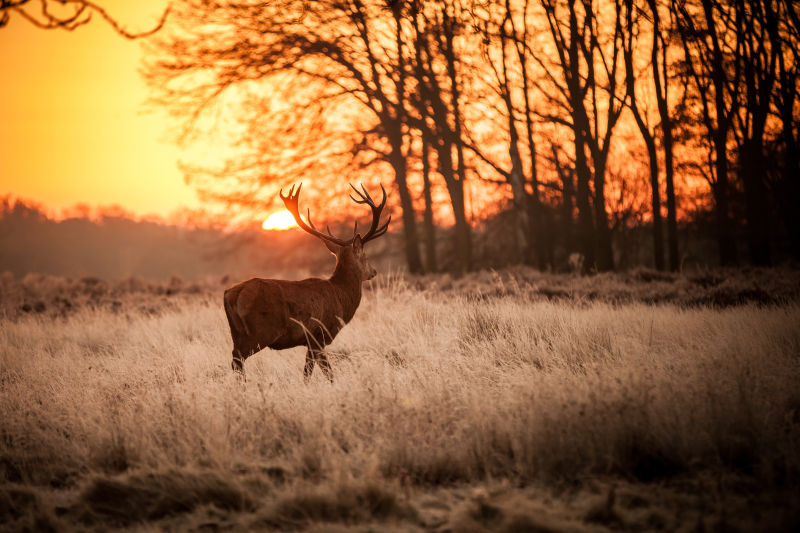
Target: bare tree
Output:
[
  {"x": 441, "y": 92},
  {"x": 431, "y": 264},
  {"x": 590, "y": 63},
  {"x": 506, "y": 49},
  {"x": 786, "y": 37},
  {"x": 351, "y": 52},
  {"x": 67, "y": 15},
  {"x": 759, "y": 58},
  {"x": 536, "y": 212},
  {"x": 711, "y": 39},
  {"x": 629, "y": 40},
  {"x": 661, "y": 74},
  {"x": 439, "y": 97}
]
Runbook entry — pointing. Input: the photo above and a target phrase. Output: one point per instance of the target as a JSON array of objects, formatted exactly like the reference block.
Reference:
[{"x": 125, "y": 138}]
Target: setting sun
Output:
[{"x": 280, "y": 220}]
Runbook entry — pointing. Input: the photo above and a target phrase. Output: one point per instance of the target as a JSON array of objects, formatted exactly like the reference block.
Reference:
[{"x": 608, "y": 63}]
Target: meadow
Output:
[{"x": 510, "y": 401}]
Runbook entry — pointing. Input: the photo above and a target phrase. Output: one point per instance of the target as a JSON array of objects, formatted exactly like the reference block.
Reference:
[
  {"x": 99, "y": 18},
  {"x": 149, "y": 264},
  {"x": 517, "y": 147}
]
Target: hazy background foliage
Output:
[{"x": 114, "y": 245}]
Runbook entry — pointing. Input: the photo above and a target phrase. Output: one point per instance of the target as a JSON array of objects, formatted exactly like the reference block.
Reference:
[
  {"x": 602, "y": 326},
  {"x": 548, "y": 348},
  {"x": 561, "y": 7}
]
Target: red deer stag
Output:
[{"x": 279, "y": 314}]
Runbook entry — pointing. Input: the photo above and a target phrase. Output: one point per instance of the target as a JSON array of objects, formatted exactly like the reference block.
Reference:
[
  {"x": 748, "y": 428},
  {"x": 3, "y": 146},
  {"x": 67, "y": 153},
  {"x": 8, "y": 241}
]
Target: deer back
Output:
[{"x": 282, "y": 314}]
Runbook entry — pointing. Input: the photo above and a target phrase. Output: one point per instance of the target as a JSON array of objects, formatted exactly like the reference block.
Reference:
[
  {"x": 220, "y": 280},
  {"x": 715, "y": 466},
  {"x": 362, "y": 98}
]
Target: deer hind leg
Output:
[
  {"x": 237, "y": 364},
  {"x": 238, "y": 331},
  {"x": 241, "y": 351}
]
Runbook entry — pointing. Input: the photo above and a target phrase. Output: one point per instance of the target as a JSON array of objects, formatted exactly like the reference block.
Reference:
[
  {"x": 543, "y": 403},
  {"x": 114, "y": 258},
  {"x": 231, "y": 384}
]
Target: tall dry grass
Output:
[{"x": 120, "y": 418}]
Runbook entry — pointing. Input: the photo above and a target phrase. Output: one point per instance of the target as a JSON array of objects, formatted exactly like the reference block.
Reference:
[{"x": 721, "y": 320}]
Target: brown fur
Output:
[{"x": 279, "y": 314}]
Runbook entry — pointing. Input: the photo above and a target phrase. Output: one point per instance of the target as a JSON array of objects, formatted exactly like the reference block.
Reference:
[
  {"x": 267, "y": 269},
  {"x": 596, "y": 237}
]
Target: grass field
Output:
[{"x": 502, "y": 402}]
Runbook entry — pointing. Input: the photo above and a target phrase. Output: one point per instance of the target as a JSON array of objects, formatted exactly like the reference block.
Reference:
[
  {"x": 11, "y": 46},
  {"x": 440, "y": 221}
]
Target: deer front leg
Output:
[
  {"x": 317, "y": 356},
  {"x": 309, "y": 368},
  {"x": 237, "y": 364},
  {"x": 322, "y": 359}
]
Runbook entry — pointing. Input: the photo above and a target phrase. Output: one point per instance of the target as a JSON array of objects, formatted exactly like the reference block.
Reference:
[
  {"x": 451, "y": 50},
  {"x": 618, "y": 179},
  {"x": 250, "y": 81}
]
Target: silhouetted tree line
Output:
[
  {"x": 555, "y": 108},
  {"x": 113, "y": 246}
]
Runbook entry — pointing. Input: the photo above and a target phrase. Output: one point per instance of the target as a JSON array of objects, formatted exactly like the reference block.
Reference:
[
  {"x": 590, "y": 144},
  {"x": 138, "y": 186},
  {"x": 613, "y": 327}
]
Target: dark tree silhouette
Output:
[
  {"x": 504, "y": 28},
  {"x": 758, "y": 55},
  {"x": 431, "y": 264},
  {"x": 439, "y": 97},
  {"x": 288, "y": 46},
  {"x": 629, "y": 38},
  {"x": 67, "y": 15},
  {"x": 435, "y": 93},
  {"x": 660, "y": 69},
  {"x": 495, "y": 34},
  {"x": 786, "y": 37},
  {"x": 589, "y": 57},
  {"x": 710, "y": 34}
]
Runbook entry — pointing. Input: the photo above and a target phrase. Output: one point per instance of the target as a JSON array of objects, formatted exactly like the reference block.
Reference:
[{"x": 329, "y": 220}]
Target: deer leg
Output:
[
  {"x": 237, "y": 364},
  {"x": 309, "y": 368},
  {"x": 241, "y": 351},
  {"x": 325, "y": 365},
  {"x": 317, "y": 356}
]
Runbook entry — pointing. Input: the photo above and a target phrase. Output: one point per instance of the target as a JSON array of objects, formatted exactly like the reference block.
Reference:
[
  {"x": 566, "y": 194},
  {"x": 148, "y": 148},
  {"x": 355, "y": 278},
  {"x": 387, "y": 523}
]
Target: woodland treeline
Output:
[
  {"x": 109, "y": 244},
  {"x": 576, "y": 117}
]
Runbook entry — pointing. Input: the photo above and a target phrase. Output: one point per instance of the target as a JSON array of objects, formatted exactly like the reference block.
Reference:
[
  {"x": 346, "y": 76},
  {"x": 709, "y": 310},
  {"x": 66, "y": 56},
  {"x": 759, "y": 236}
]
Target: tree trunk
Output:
[
  {"x": 411, "y": 240},
  {"x": 790, "y": 199},
  {"x": 536, "y": 238},
  {"x": 605, "y": 254},
  {"x": 516, "y": 178},
  {"x": 760, "y": 61},
  {"x": 580, "y": 128},
  {"x": 672, "y": 217},
  {"x": 727, "y": 248},
  {"x": 463, "y": 238},
  {"x": 655, "y": 201},
  {"x": 752, "y": 166},
  {"x": 518, "y": 194},
  {"x": 660, "y": 72},
  {"x": 455, "y": 188},
  {"x": 430, "y": 229},
  {"x": 790, "y": 187},
  {"x": 567, "y": 196},
  {"x": 789, "y": 183},
  {"x": 644, "y": 129},
  {"x": 585, "y": 218},
  {"x": 721, "y": 78}
]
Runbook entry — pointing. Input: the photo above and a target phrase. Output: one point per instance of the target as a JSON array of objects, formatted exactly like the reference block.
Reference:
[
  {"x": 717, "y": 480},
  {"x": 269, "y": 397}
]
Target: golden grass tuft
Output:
[
  {"x": 345, "y": 503},
  {"x": 154, "y": 495}
]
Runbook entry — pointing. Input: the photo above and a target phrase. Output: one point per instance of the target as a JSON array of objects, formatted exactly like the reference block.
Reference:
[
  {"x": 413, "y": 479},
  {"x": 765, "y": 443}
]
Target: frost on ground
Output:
[{"x": 457, "y": 406}]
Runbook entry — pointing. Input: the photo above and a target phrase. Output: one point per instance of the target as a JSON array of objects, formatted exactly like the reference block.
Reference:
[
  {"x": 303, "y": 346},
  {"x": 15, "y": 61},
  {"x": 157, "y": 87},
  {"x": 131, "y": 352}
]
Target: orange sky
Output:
[{"x": 72, "y": 122}]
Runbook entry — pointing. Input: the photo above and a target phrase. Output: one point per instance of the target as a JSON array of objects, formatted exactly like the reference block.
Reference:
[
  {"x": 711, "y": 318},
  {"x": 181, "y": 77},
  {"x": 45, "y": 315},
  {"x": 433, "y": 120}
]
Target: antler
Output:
[{"x": 375, "y": 230}]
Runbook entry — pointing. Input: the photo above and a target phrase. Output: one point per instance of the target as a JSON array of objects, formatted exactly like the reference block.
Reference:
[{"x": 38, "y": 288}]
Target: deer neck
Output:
[{"x": 347, "y": 279}]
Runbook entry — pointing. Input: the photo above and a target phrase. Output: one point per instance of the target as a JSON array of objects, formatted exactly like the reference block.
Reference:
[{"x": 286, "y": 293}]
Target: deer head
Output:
[{"x": 350, "y": 250}]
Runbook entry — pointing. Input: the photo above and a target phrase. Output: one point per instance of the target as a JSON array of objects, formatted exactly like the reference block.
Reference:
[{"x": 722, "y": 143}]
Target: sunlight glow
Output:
[
  {"x": 280, "y": 220},
  {"x": 71, "y": 105}
]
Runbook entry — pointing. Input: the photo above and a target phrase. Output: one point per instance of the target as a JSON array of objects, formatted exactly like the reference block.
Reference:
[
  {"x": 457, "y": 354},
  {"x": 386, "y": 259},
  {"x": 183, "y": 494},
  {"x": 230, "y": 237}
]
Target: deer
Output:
[{"x": 281, "y": 314}]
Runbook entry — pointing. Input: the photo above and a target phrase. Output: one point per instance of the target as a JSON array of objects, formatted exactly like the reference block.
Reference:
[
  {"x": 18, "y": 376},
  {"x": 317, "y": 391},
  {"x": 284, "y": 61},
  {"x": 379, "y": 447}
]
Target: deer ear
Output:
[
  {"x": 358, "y": 244},
  {"x": 332, "y": 247}
]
